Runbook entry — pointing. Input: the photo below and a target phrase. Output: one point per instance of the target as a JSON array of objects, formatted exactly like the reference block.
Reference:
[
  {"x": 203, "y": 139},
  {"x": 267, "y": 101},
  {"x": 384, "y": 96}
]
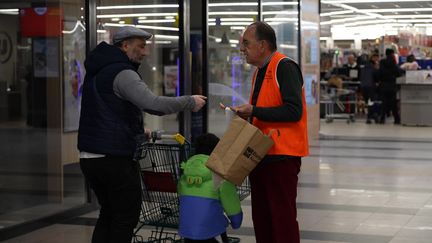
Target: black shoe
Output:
[{"x": 368, "y": 121}]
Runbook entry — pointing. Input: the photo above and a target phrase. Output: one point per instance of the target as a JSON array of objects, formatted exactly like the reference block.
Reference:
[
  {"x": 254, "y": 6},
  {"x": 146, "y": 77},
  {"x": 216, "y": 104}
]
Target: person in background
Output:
[
  {"x": 111, "y": 125},
  {"x": 411, "y": 64},
  {"x": 352, "y": 68},
  {"x": 367, "y": 77},
  {"x": 387, "y": 74},
  {"x": 203, "y": 205},
  {"x": 277, "y": 102}
]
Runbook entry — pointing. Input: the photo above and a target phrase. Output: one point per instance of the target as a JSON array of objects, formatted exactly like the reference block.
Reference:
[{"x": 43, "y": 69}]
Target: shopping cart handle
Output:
[{"x": 157, "y": 135}]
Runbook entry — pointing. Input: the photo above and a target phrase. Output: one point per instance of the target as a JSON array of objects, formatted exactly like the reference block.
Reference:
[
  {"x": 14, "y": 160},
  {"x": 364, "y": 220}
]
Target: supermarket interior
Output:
[{"x": 367, "y": 79}]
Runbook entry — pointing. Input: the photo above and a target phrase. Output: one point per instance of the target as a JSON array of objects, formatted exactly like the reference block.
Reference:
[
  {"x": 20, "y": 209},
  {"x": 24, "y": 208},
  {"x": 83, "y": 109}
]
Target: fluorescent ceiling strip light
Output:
[
  {"x": 279, "y": 3},
  {"x": 423, "y": 25},
  {"x": 281, "y": 19},
  {"x": 146, "y": 21},
  {"x": 408, "y": 16},
  {"x": 233, "y": 19},
  {"x": 279, "y": 12},
  {"x": 168, "y": 37},
  {"x": 163, "y": 42},
  {"x": 356, "y": 10},
  {"x": 143, "y": 26},
  {"x": 375, "y": 21},
  {"x": 232, "y": 4},
  {"x": 386, "y": 10},
  {"x": 231, "y": 24},
  {"x": 234, "y": 41},
  {"x": 138, "y": 6},
  {"x": 101, "y": 31},
  {"x": 336, "y": 13},
  {"x": 234, "y": 13},
  {"x": 77, "y": 24},
  {"x": 237, "y": 27},
  {"x": 414, "y": 20},
  {"x": 9, "y": 10},
  {"x": 12, "y": 11},
  {"x": 103, "y": 16},
  {"x": 285, "y": 46},
  {"x": 235, "y": 23},
  {"x": 371, "y": 1},
  {"x": 233, "y": 45},
  {"x": 335, "y": 21}
]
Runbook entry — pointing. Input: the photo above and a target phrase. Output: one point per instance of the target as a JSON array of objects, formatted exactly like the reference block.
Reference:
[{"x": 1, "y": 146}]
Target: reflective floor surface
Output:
[{"x": 361, "y": 183}]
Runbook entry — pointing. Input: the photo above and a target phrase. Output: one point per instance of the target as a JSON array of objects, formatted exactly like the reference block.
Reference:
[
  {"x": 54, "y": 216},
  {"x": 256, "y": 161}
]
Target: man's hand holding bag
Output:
[{"x": 240, "y": 149}]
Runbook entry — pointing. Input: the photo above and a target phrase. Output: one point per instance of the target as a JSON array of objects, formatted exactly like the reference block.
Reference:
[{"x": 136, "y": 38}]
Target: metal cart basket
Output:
[{"x": 159, "y": 162}]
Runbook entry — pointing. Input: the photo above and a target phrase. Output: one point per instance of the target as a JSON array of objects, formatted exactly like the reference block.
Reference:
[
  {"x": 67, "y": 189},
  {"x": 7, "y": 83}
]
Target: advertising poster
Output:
[
  {"x": 170, "y": 80},
  {"x": 311, "y": 89},
  {"x": 74, "y": 72}
]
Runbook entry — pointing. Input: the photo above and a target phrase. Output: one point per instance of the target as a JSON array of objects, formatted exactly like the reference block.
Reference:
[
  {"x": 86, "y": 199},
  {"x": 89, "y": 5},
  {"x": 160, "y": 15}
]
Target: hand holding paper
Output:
[{"x": 244, "y": 111}]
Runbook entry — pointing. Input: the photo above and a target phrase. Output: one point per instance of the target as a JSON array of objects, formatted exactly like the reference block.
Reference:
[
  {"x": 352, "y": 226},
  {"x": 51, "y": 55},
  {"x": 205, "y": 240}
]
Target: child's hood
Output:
[{"x": 195, "y": 171}]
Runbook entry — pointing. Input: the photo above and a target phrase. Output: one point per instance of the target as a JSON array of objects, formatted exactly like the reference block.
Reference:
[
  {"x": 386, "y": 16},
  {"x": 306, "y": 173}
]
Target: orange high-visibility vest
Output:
[{"x": 293, "y": 138}]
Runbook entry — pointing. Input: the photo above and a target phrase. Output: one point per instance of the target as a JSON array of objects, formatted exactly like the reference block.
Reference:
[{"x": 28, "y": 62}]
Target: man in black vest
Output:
[{"x": 111, "y": 125}]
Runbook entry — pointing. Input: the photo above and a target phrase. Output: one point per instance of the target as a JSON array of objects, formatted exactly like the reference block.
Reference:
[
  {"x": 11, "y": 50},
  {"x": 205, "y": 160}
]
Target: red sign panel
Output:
[{"x": 41, "y": 22}]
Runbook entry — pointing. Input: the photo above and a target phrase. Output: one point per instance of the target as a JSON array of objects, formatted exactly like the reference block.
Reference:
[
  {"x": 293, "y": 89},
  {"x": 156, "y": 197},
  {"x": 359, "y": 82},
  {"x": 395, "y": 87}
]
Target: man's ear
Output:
[{"x": 125, "y": 45}]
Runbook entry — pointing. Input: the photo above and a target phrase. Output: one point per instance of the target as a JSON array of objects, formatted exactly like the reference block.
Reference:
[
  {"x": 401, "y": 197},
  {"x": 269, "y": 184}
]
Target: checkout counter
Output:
[{"x": 416, "y": 98}]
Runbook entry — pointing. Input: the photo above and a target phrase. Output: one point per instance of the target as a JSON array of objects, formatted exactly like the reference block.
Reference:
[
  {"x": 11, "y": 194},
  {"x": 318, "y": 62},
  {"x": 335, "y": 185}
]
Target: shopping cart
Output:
[
  {"x": 159, "y": 160},
  {"x": 336, "y": 100}
]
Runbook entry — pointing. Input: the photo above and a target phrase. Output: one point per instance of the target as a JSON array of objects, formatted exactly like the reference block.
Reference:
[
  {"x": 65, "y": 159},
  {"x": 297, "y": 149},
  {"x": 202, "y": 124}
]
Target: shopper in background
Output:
[
  {"x": 111, "y": 125},
  {"x": 352, "y": 69},
  {"x": 387, "y": 74},
  {"x": 277, "y": 102},
  {"x": 367, "y": 77},
  {"x": 410, "y": 64}
]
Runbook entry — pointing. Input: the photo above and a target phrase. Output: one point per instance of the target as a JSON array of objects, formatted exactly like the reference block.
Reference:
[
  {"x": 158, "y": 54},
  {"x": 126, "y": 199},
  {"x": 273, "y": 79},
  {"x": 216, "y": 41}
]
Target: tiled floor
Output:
[{"x": 361, "y": 183}]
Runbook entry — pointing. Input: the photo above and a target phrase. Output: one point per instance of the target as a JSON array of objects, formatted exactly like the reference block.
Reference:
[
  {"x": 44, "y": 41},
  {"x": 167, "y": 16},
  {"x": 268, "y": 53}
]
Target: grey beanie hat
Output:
[{"x": 126, "y": 32}]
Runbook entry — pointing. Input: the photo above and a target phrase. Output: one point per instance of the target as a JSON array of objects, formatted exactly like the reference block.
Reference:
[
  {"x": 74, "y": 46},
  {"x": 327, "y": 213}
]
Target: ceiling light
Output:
[
  {"x": 232, "y": 4},
  {"x": 237, "y": 27},
  {"x": 279, "y": 12},
  {"x": 279, "y": 3},
  {"x": 386, "y": 10},
  {"x": 285, "y": 46},
  {"x": 370, "y": 1},
  {"x": 168, "y": 37},
  {"x": 234, "y": 13},
  {"x": 138, "y": 6},
  {"x": 163, "y": 42},
  {"x": 233, "y": 19},
  {"x": 281, "y": 19},
  {"x": 102, "y": 16},
  {"x": 10, "y": 11},
  {"x": 147, "y": 21},
  {"x": 345, "y": 20},
  {"x": 142, "y": 26},
  {"x": 336, "y": 13}
]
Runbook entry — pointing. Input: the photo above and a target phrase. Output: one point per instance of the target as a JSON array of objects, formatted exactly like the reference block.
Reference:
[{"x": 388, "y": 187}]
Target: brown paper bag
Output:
[{"x": 239, "y": 150}]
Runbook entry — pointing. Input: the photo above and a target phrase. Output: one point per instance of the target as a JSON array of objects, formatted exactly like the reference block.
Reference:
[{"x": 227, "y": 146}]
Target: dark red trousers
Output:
[{"x": 274, "y": 192}]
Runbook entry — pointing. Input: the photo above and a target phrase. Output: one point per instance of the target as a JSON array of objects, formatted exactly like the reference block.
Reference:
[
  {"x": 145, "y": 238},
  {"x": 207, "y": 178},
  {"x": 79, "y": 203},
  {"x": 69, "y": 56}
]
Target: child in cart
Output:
[{"x": 202, "y": 206}]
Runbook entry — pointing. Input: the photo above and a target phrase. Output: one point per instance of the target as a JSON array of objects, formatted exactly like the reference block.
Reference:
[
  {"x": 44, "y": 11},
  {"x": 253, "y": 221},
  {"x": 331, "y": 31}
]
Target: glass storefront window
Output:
[
  {"x": 39, "y": 59},
  {"x": 160, "y": 69},
  {"x": 229, "y": 74},
  {"x": 283, "y": 16}
]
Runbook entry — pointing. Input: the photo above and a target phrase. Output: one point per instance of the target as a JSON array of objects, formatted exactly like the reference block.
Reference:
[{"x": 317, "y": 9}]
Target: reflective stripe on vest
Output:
[{"x": 293, "y": 138}]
